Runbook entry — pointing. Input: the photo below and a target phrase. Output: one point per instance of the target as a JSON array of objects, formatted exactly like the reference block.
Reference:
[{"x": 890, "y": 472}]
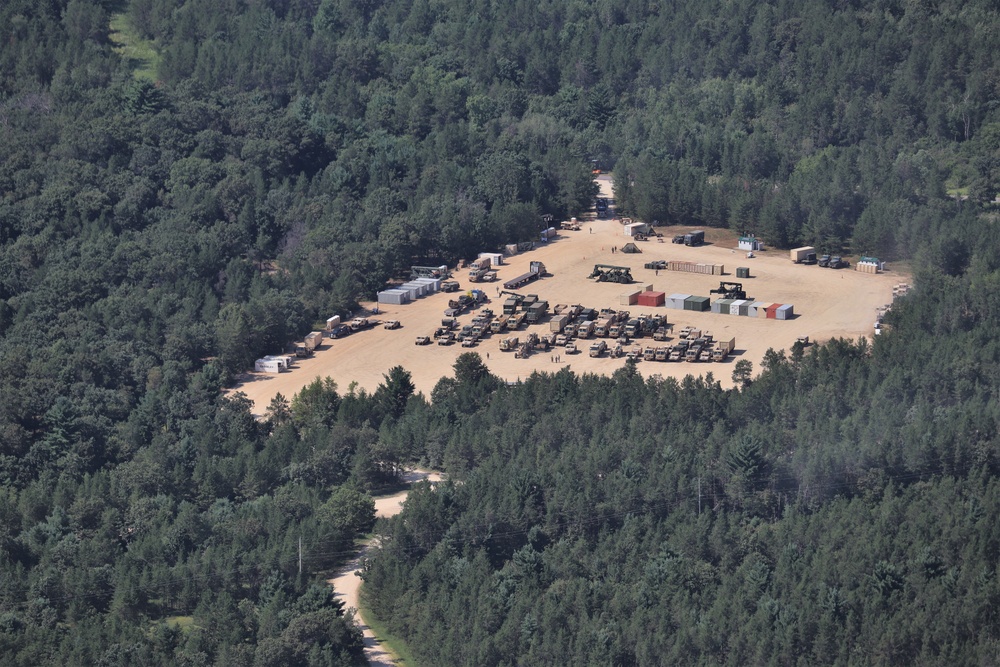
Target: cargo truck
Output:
[
  {"x": 537, "y": 312},
  {"x": 313, "y": 340},
  {"x": 800, "y": 255},
  {"x": 723, "y": 348},
  {"x": 558, "y": 323},
  {"x": 586, "y": 329}
]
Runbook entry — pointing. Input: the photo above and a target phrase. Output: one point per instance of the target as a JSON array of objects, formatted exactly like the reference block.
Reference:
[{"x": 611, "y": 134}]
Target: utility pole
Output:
[{"x": 300, "y": 554}]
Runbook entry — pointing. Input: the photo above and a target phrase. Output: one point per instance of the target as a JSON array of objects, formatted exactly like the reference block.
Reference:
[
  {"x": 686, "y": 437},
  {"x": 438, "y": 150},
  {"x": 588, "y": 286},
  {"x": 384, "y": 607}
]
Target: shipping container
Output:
[
  {"x": 698, "y": 303},
  {"x": 722, "y": 306},
  {"x": 762, "y": 309},
  {"x": 495, "y": 258},
  {"x": 629, "y": 298},
  {"x": 742, "y": 271},
  {"x": 738, "y": 307},
  {"x": 676, "y": 301},
  {"x": 432, "y": 284},
  {"x": 772, "y": 311},
  {"x": 331, "y": 322},
  {"x": 652, "y": 299},
  {"x": 397, "y": 297},
  {"x": 756, "y": 306},
  {"x": 785, "y": 312}
]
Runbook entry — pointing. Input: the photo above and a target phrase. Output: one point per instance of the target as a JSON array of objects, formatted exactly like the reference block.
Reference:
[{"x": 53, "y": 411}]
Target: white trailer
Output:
[
  {"x": 266, "y": 365},
  {"x": 636, "y": 228}
]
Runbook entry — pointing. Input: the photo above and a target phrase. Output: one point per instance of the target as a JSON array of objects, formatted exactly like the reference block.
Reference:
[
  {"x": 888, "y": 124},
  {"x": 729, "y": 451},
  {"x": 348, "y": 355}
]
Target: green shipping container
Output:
[
  {"x": 743, "y": 272},
  {"x": 698, "y": 303}
]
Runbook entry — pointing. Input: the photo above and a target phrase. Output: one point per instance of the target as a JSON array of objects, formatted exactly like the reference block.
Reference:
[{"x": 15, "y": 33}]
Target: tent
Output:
[{"x": 630, "y": 248}]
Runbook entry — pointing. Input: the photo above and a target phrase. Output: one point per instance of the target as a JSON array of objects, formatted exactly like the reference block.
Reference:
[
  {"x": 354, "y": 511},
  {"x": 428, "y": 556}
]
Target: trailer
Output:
[
  {"x": 268, "y": 365},
  {"x": 536, "y": 270},
  {"x": 799, "y": 255}
]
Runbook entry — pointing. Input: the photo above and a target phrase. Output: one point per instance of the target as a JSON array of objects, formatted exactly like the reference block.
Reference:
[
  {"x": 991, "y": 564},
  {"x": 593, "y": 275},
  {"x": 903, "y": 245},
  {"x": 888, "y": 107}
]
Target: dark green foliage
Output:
[{"x": 155, "y": 238}]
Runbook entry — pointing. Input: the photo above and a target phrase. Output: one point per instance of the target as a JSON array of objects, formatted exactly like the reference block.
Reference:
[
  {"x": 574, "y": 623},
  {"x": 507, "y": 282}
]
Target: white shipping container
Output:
[
  {"x": 396, "y": 297},
  {"x": 676, "y": 301},
  {"x": 784, "y": 312}
]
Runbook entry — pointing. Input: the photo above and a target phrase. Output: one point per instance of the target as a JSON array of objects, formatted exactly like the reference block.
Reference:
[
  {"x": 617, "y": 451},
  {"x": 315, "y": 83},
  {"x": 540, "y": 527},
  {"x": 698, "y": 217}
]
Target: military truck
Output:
[{"x": 598, "y": 348}]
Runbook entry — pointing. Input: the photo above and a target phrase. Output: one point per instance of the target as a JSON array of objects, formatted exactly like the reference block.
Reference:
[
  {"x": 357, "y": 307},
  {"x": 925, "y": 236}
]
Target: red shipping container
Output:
[
  {"x": 652, "y": 299},
  {"x": 772, "y": 311}
]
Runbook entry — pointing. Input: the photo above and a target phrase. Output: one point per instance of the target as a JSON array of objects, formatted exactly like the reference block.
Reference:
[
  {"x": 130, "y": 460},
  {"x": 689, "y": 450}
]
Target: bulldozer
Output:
[
  {"x": 729, "y": 290},
  {"x": 606, "y": 273}
]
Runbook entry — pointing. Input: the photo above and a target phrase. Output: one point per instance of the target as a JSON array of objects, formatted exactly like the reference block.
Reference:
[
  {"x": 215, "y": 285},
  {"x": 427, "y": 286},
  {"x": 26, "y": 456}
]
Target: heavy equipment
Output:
[
  {"x": 513, "y": 301},
  {"x": 728, "y": 290},
  {"x": 606, "y": 273},
  {"x": 429, "y": 272}
]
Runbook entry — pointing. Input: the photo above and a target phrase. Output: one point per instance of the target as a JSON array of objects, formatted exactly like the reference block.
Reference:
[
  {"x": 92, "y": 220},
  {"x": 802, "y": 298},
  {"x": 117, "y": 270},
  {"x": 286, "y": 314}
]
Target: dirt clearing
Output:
[{"x": 828, "y": 303}]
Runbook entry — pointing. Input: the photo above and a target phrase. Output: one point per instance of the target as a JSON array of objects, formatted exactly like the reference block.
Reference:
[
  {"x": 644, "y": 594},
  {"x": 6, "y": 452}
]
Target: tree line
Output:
[{"x": 290, "y": 158}]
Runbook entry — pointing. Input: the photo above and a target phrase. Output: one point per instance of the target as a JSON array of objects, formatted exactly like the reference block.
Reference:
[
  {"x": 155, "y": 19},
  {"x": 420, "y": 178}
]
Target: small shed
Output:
[
  {"x": 742, "y": 271},
  {"x": 750, "y": 242}
]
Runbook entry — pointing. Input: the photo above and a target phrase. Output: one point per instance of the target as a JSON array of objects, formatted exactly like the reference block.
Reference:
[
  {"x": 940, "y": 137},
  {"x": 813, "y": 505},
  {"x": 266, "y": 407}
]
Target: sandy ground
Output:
[
  {"x": 828, "y": 303},
  {"x": 347, "y": 584}
]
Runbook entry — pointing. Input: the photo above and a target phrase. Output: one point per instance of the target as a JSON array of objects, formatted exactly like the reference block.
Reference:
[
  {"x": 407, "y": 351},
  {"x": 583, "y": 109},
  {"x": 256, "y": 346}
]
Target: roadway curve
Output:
[{"x": 347, "y": 583}]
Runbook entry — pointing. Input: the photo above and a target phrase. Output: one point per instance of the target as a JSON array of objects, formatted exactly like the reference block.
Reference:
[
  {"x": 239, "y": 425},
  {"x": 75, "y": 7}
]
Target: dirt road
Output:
[
  {"x": 347, "y": 584},
  {"x": 828, "y": 303}
]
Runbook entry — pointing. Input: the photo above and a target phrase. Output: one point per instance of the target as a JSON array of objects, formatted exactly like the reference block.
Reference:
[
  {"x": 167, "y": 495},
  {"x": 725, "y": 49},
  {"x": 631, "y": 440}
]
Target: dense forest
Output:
[{"x": 271, "y": 162}]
